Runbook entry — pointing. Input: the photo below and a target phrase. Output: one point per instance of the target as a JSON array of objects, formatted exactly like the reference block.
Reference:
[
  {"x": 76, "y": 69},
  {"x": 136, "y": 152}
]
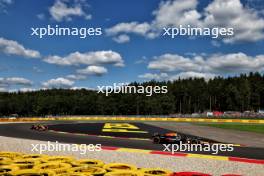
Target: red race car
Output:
[{"x": 39, "y": 127}]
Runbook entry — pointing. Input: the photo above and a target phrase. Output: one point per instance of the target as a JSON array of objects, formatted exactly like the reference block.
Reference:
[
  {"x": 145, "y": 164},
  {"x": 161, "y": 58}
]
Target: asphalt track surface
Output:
[
  {"x": 143, "y": 130},
  {"x": 22, "y": 130}
]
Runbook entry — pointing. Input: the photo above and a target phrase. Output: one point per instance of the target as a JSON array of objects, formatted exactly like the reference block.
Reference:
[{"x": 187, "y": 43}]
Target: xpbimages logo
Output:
[
  {"x": 56, "y": 30},
  {"x": 215, "y": 32},
  {"x": 212, "y": 148},
  {"x": 59, "y": 147},
  {"x": 132, "y": 89}
]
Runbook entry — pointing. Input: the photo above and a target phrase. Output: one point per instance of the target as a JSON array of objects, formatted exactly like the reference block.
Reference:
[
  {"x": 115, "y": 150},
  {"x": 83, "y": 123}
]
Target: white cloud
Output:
[
  {"x": 41, "y": 16},
  {"x": 132, "y": 27},
  {"x": 206, "y": 66},
  {"x": 2, "y": 89},
  {"x": 37, "y": 70},
  {"x": 143, "y": 29},
  {"x": 14, "y": 48},
  {"x": 123, "y": 38},
  {"x": 177, "y": 12},
  {"x": 62, "y": 11},
  {"x": 11, "y": 81},
  {"x": 216, "y": 63},
  {"x": 185, "y": 75},
  {"x": 58, "y": 83},
  {"x": 169, "y": 13},
  {"x": 76, "y": 77},
  {"x": 215, "y": 43},
  {"x": 235, "y": 62},
  {"x": 174, "y": 62},
  {"x": 79, "y": 88},
  {"x": 4, "y": 3},
  {"x": 27, "y": 89},
  {"x": 93, "y": 70},
  {"x": 150, "y": 76},
  {"x": 89, "y": 58},
  {"x": 247, "y": 23}
]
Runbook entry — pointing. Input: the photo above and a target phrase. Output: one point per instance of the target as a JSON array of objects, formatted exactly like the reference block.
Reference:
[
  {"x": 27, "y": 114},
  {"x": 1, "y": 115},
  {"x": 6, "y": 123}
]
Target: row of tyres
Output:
[{"x": 18, "y": 164}]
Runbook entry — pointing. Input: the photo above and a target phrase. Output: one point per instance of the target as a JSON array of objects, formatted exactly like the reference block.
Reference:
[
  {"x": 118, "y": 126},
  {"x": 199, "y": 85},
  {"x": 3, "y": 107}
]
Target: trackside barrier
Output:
[
  {"x": 189, "y": 174},
  {"x": 134, "y": 119},
  {"x": 19, "y": 164}
]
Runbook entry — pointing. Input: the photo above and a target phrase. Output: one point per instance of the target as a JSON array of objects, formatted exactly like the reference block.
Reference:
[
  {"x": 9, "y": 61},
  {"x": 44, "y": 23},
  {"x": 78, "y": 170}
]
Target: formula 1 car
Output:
[
  {"x": 39, "y": 127},
  {"x": 173, "y": 137}
]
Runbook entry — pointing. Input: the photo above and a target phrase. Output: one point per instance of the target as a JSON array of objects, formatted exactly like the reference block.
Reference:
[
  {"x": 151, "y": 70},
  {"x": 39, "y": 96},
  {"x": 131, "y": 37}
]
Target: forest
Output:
[{"x": 239, "y": 93}]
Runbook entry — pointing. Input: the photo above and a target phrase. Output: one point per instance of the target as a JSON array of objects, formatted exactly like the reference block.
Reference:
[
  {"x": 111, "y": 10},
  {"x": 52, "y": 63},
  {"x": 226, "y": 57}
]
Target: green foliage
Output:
[
  {"x": 242, "y": 93},
  {"x": 258, "y": 128}
]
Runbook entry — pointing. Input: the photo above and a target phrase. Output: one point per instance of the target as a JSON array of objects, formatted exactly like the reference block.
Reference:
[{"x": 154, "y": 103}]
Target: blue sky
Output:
[{"x": 131, "y": 47}]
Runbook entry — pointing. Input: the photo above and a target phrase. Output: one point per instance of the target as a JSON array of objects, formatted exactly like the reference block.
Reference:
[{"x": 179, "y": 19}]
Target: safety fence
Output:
[
  {"x": 19, "y": 164},
  {"x": 162, "y": 119}
]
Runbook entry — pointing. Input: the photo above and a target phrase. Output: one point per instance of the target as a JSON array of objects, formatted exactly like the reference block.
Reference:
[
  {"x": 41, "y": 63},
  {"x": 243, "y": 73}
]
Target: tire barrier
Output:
[
  {"x": 26, "y": 163},
  {"x": 4, "y": 170},
  {"x": 35, "y": 156},
  {"x": 91, "y": 162},
  {"x": 32, "y": 172},
  {"x": 63, "y": 159},
  {"x": 124, "y": 173},
  {"x": 11, "y": 155},
  {"x": 5, "y": 161},
  {"x": 119, "y": 166},
  {"x": 155, "y": 171},
  {"x": 19, "y": 164},
  {"x": 72, "y": 174},
  {"x": 96, "y": 171},
  {"x": 189, "y": 174},
  {"x": 57, "y": 167}
]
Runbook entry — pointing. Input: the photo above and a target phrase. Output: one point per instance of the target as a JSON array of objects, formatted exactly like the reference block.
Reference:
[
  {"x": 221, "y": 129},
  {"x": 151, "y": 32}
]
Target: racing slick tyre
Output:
[
  {"x": 91, "y": 162},
  {"x": 96, "y": 171},
  {"x": 119, "y": 166},
  {"x": 33, "y": 172},
  {"x": 195, "y": 141},
  {"x": 31, "y": 161},
  {"x": 5, "y": 161},
  {"x": 11, "y": 155},
  {"x": 57, "y": 167},
  {"x": 156, "y": 140},
  {"x": 124, "y": 172},
  {"x": 35, "y": 156},
  {"x": 155, "y": 171},
  {"x": 72, "y": 174},
  {"x": 26, "y": 163},
  {"x": 63, "y": 159},
  {"x": 5, "y": 170}
]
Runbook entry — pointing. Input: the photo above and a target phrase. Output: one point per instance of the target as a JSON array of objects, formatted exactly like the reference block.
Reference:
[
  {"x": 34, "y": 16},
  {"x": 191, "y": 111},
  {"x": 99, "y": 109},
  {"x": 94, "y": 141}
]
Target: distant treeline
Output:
[{"x": 242, "y": 93}]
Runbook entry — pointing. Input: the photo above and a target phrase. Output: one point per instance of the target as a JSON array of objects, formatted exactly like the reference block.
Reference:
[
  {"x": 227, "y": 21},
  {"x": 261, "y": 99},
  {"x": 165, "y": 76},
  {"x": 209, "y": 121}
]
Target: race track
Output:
[{"x": 22, "y": 130}]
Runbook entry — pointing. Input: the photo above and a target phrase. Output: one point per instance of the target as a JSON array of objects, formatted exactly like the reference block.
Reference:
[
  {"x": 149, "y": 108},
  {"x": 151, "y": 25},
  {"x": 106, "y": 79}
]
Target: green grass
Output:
[{"x": 258, "y": 128}]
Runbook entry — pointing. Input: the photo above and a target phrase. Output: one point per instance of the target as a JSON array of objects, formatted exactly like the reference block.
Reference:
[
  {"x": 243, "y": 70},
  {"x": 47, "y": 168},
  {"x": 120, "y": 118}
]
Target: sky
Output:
[{"x": 132, "y": 46}]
